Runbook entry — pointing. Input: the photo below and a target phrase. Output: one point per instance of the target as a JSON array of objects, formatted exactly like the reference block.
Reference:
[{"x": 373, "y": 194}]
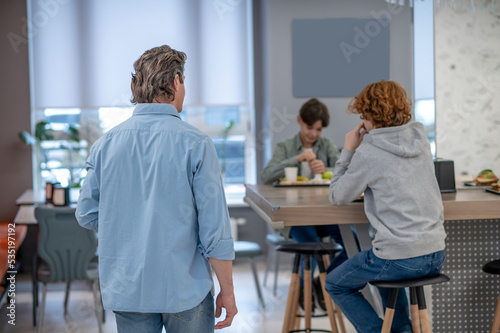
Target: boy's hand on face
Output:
[
  {"x": 306, "y": 156},
  {"x": 317, "y": 166},
  {"x": 353, "y": 138}
]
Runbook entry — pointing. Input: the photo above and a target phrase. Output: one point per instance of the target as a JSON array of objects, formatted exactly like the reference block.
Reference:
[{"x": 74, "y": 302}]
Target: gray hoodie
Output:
[{"x": 393, "y": 167}]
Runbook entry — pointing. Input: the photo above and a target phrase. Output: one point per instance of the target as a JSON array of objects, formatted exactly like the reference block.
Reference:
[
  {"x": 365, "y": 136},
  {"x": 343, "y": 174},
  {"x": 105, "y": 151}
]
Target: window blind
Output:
[{"x": 83, "y": 50}]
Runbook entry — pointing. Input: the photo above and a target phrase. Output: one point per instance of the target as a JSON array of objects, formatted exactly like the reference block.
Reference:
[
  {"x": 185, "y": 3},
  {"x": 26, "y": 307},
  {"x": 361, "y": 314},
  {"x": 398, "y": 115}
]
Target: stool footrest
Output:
[
  {"x": 311, "y": 330},
  {"x": 314, "y": 316}
]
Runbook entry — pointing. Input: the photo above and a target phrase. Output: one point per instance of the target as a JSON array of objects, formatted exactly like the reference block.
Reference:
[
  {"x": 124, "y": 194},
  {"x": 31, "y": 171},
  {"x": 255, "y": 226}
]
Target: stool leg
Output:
[
  {"x": 328, "y": 300},
  {"x": 293, "y": 299},
  {"x": 424, "y": 317},
  {"x": 307, "y": 292},
  {"x": 496, "y": 319},
  {"x": 294, "y": 321},
  {"x": 389, "y": 310},
  {"x": 326, "y": 260},
  {"x": 415, "y": 320}
]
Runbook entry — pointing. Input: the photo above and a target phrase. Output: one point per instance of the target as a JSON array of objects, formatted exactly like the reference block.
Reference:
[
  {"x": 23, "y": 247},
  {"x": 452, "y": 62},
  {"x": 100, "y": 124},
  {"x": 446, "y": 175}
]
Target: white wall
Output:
[
  {"x": 283, "y": 106},
  {"x": 468, "y": 88}
]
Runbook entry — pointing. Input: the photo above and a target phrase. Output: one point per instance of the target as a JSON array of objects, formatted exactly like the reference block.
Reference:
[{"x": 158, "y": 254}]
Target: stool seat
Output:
[
  {"x": 317, "y": 249},
  {"x": 243, "y": 249},
  {"x": 493, "y": 267},
  {"x": 424, "y": 281},
  {"x": 418, "y": 308}
]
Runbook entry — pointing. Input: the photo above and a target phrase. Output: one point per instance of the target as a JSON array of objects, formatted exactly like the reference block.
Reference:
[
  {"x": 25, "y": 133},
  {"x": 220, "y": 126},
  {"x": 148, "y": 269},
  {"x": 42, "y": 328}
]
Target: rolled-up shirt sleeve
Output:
[
  {"x": 215, "y": 239},
  {"x": 87, "y": 210}
]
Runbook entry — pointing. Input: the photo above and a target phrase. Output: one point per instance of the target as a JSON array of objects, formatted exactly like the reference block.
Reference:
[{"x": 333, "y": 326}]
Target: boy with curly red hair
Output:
[{"x": 389, "y": 159}]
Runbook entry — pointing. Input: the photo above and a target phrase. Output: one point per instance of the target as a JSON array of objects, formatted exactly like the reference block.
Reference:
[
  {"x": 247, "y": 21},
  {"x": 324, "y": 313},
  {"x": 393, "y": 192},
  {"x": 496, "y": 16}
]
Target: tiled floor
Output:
[{"x": 81, "y": 318}]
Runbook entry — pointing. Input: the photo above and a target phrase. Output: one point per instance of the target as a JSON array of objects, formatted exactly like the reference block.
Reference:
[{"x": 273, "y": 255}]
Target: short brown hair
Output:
[
  {"x": 155, "y": 72},
  {"x": 312, "y": 111},
  {"x": 384, "y": 103}
]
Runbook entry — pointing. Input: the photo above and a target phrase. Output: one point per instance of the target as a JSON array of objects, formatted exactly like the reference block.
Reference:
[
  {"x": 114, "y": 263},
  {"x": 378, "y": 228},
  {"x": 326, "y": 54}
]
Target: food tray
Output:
[
  {"x": 492, "y": 191},
  {"x": 471, "y": 183},
  {"x": 277, "y": 184}
]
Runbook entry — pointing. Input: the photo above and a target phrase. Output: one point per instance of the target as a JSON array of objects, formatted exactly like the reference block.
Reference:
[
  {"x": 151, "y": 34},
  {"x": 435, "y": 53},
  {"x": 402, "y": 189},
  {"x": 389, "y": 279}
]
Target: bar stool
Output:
[
  {"x": 321, "y": 252},
  {"x": 418, "y": 307},
  {"x": 493, "y": 267}
]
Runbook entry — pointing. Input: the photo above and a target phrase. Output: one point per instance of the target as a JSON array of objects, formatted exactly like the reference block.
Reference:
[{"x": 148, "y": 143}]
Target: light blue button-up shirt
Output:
[{"x": 154, "y": 192}]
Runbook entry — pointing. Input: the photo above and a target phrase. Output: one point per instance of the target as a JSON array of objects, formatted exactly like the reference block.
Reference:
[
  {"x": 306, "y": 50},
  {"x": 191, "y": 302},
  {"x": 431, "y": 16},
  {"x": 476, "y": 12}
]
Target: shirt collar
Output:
[
  {"x": 156, "y": 108},
  {"x": 297, "y": 143}
]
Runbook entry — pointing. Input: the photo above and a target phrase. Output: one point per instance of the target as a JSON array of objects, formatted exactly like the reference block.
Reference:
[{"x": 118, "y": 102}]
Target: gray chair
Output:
[
  {"x": 66, "y": 252},
  {"x": 274, "y": 239},
  {"x": 250, "y": 250}
]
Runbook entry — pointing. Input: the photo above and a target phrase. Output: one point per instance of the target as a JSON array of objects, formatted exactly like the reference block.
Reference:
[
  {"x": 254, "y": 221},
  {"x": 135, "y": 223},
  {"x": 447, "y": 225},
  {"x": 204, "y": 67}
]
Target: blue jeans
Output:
[
  {"x": 344, "y": 283},
  {"x": 304, "y": 234},
  {"x": 200, "y": 319}
]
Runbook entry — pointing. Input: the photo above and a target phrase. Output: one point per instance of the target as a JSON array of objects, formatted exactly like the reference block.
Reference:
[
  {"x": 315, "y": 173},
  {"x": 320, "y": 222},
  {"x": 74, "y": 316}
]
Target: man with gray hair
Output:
[{"x": 155, "y": 194}]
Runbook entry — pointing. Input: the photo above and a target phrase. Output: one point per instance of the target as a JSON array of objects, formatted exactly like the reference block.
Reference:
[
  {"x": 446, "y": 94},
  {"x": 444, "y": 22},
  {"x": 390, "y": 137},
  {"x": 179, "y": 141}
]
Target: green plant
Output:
[{"x": 44, "y": 131}]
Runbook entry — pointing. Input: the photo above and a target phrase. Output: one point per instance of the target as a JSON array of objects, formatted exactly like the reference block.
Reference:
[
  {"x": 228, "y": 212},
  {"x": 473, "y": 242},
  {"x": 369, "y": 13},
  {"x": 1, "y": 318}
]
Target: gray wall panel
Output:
[{"x": 338, "y": 57}]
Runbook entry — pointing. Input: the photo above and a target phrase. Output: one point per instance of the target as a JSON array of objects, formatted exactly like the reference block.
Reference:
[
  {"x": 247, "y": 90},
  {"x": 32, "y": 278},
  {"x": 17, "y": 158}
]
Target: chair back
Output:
[{"x": 64, "y": 245}]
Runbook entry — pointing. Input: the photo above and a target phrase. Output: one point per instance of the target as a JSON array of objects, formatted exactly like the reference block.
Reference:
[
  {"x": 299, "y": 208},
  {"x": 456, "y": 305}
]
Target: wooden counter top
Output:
[{"x": 290, "y": 206}]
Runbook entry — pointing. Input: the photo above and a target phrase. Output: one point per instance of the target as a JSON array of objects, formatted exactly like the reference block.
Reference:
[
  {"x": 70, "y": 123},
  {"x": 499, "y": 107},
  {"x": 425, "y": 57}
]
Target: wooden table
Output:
[
  {"x": 29, "y": 199},
  {"x": 283, "y": 207},
  {"x": 294, "y": 206},
  {"x": 309, "y": 205}
]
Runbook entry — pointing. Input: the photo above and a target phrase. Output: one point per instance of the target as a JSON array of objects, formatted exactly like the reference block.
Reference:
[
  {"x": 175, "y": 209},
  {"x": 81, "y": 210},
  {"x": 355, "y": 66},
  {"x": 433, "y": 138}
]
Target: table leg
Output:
[{"x": 351, "y": 246}]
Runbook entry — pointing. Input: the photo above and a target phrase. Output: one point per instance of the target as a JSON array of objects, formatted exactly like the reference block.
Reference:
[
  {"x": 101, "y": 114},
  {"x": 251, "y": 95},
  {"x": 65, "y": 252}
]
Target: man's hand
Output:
[
  {"x": 353, "y": 138},
  {"x": 317, "y": 166},
  {"x": 306, "y": 156},
  {"x": 224, "y": 271},
  {"x": 227, "y": 302}
]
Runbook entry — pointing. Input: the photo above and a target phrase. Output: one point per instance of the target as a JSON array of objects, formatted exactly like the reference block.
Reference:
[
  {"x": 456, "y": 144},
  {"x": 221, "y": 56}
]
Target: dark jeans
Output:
[
  {"x": 345, "y": 282},
  {"x": 200, "y": 319},
  {"x": 305, "y": 234}
]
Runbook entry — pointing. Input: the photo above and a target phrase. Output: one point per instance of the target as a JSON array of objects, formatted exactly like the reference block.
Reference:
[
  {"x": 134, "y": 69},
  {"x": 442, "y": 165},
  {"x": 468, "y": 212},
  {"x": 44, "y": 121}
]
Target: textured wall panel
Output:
[{"x": 466, "y": 303}]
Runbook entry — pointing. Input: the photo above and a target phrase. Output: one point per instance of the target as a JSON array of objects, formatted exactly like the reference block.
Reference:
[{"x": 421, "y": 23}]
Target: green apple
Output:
[{"x": 327, "y": 175}]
